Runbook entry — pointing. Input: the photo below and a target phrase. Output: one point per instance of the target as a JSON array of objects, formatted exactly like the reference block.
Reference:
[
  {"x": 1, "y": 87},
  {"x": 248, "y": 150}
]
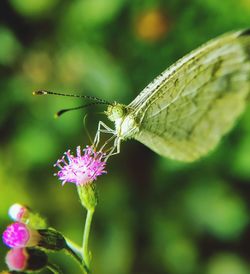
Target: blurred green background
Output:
[{"x": 154, "y": 215}]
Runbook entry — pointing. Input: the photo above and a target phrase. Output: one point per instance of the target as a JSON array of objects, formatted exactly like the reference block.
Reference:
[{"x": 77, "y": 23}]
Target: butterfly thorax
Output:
[{"x": 125, "y": 122}]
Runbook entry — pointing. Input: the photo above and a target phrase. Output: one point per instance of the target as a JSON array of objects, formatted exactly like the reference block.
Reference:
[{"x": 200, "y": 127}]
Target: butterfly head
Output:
[
  {"x": 116, "y": 112},
  {"x": 125, "y": 123}
]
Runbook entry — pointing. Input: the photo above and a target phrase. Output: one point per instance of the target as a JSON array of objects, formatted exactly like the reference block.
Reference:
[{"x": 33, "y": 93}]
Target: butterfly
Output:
[{"x": 184, "y": 112}]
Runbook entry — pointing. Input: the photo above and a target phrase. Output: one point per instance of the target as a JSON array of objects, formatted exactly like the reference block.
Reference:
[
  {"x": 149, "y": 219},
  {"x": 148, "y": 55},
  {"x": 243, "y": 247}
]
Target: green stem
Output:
[
  {"x": 77, "y": 258},
  {"x": 73, "y": 246},
  {"x": 85, "y": 250}
]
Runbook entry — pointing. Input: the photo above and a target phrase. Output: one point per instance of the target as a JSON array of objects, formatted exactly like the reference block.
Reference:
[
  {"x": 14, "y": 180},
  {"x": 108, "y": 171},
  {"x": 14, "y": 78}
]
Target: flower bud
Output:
[
  {"x": 21, "y": 235},
  {"x": 19, "y": 213},
  {"x": 26, "y": 259},
  {"x": 23, "y": 214}
]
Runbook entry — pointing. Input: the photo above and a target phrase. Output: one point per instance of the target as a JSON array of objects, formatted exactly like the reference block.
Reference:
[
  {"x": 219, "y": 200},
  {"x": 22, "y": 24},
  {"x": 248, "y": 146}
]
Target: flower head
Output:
[
  {"x": 81, "y": 169},
  {"x": 19, "y": 235}
]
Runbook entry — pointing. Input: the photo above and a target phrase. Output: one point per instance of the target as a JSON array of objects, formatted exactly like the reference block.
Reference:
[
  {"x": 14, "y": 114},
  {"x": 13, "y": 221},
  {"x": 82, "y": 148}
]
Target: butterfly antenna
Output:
[
  {"x": 62, "y": 111},
  {"x": 46, "y": 92}
]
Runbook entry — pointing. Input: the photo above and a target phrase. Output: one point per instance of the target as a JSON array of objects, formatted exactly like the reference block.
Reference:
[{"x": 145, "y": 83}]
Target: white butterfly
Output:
[{"x": 184, "y": 112}]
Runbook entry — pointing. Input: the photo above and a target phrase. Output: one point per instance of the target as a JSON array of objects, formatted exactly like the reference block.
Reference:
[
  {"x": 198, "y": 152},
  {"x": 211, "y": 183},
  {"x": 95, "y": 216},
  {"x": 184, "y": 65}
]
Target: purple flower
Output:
[
  {"x": 19, "y": 235},
  {"x": 81, "y": 169}
]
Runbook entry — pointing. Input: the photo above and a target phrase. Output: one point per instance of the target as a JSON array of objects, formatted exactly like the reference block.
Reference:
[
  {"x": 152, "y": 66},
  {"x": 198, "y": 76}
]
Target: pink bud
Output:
[
  {"x": 27, "y": 259},
  {"x": 16, "y": 259},
  {"x": 19, "y": 235}
]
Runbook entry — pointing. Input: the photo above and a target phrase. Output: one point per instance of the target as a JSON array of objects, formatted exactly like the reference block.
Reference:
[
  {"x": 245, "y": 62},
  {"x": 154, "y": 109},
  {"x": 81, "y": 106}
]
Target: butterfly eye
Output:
[{"x": 118, "y": 112}]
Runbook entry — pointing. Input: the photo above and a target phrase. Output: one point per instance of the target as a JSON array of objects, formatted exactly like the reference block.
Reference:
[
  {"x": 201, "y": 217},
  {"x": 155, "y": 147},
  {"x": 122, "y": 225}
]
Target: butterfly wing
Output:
[{"x": 186, "y": 110}]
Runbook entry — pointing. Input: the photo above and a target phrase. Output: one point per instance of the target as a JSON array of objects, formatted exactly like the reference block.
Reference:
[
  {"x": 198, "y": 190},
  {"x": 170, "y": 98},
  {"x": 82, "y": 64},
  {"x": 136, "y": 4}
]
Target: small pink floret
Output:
[
  {"x": 81, "y": 169},
  {"x": 16, "y": 259},
  {"x": 16, "y": 235}
]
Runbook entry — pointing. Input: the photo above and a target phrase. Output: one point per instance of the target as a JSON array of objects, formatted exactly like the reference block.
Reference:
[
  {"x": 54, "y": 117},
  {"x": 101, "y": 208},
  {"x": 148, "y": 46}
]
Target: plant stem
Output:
[
  {"x": 78, "y": 259},
  {"x": 85, "y": 250},
  {"x": 73, "y": 246}
]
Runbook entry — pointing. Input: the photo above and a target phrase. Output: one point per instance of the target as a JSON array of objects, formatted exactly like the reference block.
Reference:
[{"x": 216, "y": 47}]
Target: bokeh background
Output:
[{"x": 154, "y": 215}]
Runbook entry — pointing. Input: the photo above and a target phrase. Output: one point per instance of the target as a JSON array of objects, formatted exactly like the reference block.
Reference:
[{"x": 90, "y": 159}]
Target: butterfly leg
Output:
[
  {"x": 104, "y": 129},
  {"x": 115, "y": 149},
  {"x": 116, "y": 146}
]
